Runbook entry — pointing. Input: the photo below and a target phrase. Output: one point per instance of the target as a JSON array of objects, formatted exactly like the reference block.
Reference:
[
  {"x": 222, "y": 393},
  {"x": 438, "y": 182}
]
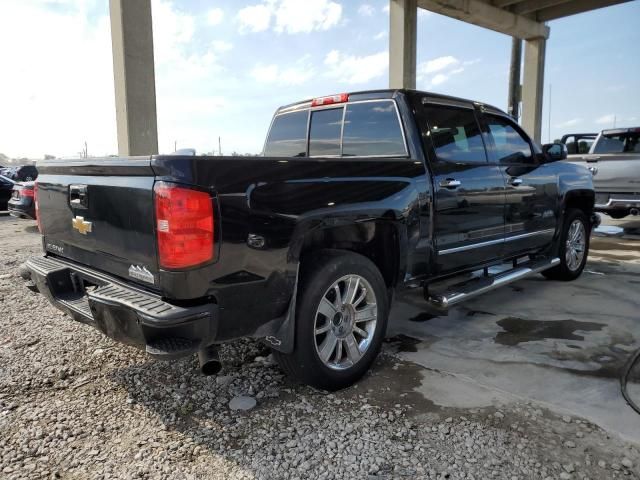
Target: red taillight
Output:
[
  {"x": 184, "y": 226},
  {"x": 27, "y": 192},
  {"x": 340, "y": 98},
  {"x": 35, "y": 201}
]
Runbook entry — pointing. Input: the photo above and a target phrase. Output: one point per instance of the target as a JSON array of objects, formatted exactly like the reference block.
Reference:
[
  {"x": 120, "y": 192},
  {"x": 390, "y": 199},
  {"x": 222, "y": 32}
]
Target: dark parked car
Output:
[
  {"x": 22, "y": 203},
  {"x": 6, "y": 190},
  {"x": 358, "y": 199},
  {"x": 23, "y": 173}
]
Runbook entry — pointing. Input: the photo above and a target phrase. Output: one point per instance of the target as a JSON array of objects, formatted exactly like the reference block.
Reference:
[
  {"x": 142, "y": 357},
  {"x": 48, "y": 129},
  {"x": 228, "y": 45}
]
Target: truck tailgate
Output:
[
  {"x": 99, "y": 212},
  {"x": 617, "y": 172}
]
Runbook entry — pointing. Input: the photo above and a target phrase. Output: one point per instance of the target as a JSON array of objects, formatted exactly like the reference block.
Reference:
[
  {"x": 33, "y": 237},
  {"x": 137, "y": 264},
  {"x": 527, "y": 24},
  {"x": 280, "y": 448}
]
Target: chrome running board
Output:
[{"x": 479, "y": 285}]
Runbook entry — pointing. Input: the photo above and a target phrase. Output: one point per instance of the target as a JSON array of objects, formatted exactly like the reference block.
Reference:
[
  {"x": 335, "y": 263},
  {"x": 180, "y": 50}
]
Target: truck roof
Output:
[
  {"x": 613, "y": 131},
  {"x": 387, "y": 93},
  {"x": 590, "y": 134}
]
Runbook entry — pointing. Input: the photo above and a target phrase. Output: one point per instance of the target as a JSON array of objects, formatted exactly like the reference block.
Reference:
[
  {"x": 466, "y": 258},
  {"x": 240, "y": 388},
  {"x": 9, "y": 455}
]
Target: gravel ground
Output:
[{"x": 74, "y": 404}]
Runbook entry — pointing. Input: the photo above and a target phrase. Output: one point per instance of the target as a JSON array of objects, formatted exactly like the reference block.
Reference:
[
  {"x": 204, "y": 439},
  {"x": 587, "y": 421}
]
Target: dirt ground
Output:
[{"x": 518, "y": 384}]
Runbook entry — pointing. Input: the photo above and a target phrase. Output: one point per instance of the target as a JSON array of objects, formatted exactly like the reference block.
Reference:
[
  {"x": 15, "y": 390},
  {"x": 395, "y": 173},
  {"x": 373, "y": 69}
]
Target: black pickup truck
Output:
[{"x": 357, "y": 198}]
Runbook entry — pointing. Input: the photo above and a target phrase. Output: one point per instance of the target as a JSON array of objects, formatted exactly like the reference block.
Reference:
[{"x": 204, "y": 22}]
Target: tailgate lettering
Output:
[{"x": 141, "y": 273}]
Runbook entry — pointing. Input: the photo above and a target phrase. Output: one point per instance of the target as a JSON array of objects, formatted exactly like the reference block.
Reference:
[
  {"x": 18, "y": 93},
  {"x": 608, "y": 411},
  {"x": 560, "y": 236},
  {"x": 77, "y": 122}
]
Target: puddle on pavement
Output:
[
  {"x": 518, "y": 330},
  {"x": 610, "y": 357},
  {"x": 403, "y": 343},
  {"x": 393, "y": 381},
  {"x": 422, "y": 317},
  {"x": 473, "y": 313}
]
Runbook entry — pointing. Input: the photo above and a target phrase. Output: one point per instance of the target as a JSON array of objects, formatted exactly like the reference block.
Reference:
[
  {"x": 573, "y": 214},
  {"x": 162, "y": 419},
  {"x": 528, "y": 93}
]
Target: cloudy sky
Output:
[{"x": 223, "y": 66}]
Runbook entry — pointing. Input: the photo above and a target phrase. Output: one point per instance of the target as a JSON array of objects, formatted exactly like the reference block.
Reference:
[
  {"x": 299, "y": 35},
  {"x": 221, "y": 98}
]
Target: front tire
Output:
[
  {"x": 574, "y": 247},
  {"x": 341, "y": 319}
]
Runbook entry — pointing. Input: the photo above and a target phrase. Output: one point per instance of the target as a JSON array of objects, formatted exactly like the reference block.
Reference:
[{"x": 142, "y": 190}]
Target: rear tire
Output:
[
  {"x": 617, "y": 215},
  {"x": 574, "y": 247},
  {"x": 341, "y": 319}
]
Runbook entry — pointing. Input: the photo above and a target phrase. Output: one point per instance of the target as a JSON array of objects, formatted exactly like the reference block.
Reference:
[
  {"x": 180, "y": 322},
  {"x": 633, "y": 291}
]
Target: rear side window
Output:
[
  {"x": 325, "y": 131},
  {"x": 288, "y": 135},
  {"x": 618, "y": 143},
  {"x": 372, "y": 128},
  {"x": 509, "y": 144},
  {"x": 455, "y": 134}
]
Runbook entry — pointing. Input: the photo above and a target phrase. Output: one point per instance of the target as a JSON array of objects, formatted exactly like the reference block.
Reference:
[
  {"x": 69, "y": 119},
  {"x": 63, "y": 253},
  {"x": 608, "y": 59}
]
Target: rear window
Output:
[
  {"x": 628, "y": 142},
  {"x": 288, "y": 135},
  {"x": 325, "y": 131},
  {"x": 372, "y": 128}
]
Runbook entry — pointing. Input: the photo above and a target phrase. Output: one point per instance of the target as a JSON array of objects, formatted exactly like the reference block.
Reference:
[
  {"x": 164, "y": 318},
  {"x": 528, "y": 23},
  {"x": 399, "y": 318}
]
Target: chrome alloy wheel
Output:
[
  {"x": 345, "y": 322},
  {"x": 576, "y": 245}
]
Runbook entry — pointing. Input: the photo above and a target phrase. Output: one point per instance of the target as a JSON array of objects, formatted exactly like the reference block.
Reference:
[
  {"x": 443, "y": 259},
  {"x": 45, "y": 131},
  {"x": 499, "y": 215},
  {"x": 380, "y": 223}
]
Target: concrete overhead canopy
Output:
[{"x": 523, "y": 19}]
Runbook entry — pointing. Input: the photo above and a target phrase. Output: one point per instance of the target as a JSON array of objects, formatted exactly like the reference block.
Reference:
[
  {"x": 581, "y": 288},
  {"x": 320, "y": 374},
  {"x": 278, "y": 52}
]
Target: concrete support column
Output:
[
  {"x": 403, "y": 15},
  {"x": 533, "y": 86},
  {"x": 134, "y": 77},
  {"x": 513, "y": 102}
]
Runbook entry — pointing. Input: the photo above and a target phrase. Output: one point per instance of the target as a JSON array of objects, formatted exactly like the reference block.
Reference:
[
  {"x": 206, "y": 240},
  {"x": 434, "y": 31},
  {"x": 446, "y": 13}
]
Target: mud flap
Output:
[{"x": 283, "y": 337}]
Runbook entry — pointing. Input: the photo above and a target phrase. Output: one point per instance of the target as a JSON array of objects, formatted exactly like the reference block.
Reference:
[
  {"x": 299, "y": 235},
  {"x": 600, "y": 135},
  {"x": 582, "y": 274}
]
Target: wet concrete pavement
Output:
[{"x": 562, "y": 344}]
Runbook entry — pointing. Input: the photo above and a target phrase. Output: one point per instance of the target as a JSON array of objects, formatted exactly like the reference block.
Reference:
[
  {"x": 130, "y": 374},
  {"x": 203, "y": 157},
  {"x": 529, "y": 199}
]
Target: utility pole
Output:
[
  {"x": 219, "y": 147},
  {"x": 175, "y": 145}
]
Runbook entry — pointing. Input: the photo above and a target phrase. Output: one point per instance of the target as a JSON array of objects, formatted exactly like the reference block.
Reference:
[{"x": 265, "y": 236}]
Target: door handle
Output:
[
  {"x": 592, "y": 159},
  {"x": 515, "y": 181},
  {"x": 450, "y": 183}
]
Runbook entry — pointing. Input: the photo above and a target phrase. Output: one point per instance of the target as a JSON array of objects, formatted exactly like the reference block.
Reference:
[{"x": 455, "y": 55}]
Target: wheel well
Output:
[
  {"x": 378, "y": 241},
  {"x": 583, "y": 200}
]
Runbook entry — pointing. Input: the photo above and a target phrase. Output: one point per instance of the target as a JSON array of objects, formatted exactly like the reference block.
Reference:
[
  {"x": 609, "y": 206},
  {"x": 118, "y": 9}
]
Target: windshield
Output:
[{"x": 625, "y": 142}]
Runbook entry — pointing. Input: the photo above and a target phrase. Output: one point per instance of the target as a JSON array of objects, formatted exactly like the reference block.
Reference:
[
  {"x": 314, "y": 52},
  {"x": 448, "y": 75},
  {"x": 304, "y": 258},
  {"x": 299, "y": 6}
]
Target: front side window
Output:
[
  {"x": 455, "y": 134},
  {"x": 325, "y": 131},
  {"x": 509, "y": 144},
  {"x": 288, "y": 135},
  {"x": 372, "y": 129}
]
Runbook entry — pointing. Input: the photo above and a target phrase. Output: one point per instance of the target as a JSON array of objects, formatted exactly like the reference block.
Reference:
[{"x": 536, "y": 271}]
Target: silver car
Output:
[{"x": 614, "y": 158}]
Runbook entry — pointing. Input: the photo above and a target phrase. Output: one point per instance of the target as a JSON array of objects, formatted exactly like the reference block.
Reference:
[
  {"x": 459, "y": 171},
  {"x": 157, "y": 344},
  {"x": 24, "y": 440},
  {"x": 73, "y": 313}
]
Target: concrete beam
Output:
[
  {"x": 403, "y": 35},
  {"x": 134, "y": 77},
  {"x": 530, "y": 6},
  {"x": 533, "y": 87},
  {"x": 486, "y": 15},
  {"x": 504, "y": 3},
  {"x": 573, "y": 7}
]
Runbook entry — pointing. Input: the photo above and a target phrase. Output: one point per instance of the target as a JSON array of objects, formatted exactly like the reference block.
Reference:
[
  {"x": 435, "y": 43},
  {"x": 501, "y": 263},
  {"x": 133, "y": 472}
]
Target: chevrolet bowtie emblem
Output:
[{"x": 81, "y": 226}]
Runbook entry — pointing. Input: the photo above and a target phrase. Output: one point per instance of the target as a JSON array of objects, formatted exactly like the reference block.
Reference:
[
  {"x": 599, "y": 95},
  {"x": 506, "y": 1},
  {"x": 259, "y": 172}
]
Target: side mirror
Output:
[{"x": 555, "y": 151}]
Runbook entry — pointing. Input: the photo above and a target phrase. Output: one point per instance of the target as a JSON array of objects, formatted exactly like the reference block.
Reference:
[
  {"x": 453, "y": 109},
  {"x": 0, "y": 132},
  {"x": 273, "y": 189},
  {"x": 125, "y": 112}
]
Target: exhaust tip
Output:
[{"x": 209, "y": 358}]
